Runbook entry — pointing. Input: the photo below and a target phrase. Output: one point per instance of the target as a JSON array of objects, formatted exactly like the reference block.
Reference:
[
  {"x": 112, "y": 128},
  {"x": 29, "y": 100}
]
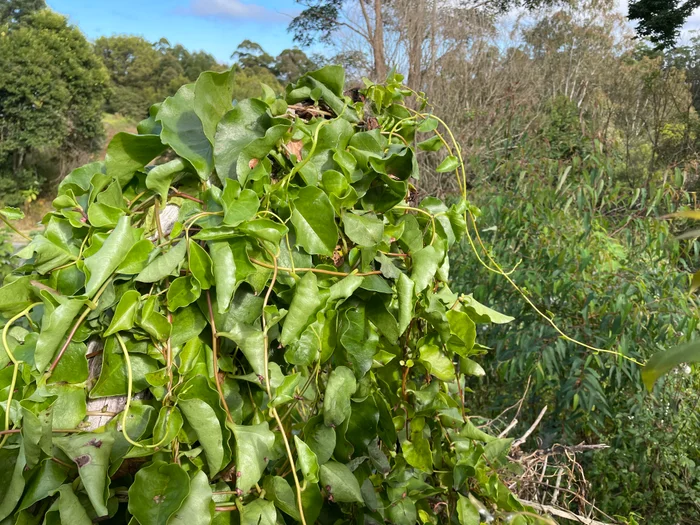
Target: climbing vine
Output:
[{"x": 258, "y": 328}]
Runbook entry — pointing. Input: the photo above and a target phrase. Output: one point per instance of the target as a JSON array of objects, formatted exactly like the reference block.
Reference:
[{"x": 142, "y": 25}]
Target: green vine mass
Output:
[{"x": 266, "y": 312}]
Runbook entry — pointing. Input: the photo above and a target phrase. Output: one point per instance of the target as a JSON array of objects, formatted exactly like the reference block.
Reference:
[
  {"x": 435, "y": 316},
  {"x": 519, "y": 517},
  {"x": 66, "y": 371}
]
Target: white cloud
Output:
[{"x": 234, "y": 9}]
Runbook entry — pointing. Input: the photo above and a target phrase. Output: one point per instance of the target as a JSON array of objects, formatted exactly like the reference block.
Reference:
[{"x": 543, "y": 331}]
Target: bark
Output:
[
  {"x": 378, "y": 42},
  {"x": 416, "y": 35}
]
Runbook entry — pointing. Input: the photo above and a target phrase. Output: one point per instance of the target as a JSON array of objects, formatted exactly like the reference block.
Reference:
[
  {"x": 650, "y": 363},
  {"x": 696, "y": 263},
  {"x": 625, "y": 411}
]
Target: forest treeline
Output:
[
  {"x": 55, "y": 85},
  {"x": 578, "y": 138}
]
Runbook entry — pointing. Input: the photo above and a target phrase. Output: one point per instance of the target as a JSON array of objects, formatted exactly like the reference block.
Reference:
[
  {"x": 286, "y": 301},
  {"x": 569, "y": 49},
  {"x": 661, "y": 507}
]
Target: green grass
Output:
[{"x": 116, "y": 123}]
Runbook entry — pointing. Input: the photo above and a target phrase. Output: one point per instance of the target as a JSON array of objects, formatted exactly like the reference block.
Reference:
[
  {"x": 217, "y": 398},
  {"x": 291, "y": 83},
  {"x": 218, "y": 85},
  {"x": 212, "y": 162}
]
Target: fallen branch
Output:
[{"x": 562, "y": 513}]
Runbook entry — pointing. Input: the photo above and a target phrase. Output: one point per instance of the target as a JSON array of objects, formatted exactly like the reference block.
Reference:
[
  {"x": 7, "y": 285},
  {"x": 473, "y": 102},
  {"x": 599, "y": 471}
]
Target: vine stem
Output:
[
  {"x": 129, "y": 392},
  {"x": 297, "y": 167},
  {"x": 215, "y": 357},
  {"x": 156, "y": 216},
  {"x": 55, "y": 431},
  {"x": 15, "y": 369},
  {"x": 186, "y": 196},
  {"x": 129, "y": 388},
  {"x": 80, "y": 320},
  {"x": 544, "y": 316},
  {"x": 304, "y": 388},
  {"x": 169, "y": 360},
  {"x": 9, "y": 225},
  {"x": 314, "y": 270},
  {"x": 424, "y": 212},
  {"x": 273, "y": 410},
  {"x": 469, "y": 217}
]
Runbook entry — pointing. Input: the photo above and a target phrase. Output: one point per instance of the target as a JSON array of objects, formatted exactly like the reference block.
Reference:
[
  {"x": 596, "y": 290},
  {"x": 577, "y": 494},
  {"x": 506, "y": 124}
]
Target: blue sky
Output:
[{"x": 215, "y": 26}]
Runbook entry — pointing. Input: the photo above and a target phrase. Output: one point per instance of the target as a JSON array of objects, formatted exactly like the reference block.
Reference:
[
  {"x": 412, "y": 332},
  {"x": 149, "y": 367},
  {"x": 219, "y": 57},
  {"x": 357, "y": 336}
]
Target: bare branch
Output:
[{"x": 530, "y": 430}]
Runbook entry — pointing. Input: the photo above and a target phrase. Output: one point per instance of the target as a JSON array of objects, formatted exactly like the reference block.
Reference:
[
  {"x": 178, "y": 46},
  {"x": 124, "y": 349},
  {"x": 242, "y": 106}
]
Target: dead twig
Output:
[
  {"x": 562, "y": 513},
  {"x": 530, "y": 430}
]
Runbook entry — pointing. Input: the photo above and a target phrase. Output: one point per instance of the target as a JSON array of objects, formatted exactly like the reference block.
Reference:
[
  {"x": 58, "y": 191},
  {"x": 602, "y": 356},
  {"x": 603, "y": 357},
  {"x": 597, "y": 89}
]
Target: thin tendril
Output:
[
  {"x": 468, "y": 215},
  {"x": 215, "y": 358},
  {"x": 15, "y": 369},
  {"x": 273, "y": 410},
  {"x": 314, "y": 270},
  {"x": 127, "y": 406},
  {"x": 88, "y": 309},
  {"x": 9, "y": 225}
]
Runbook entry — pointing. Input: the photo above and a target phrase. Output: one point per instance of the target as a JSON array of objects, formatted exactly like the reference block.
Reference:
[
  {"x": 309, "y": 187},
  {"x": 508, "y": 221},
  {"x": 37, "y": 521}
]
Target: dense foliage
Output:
[
  {"x": 51, "y": 94},
  {"x": 588, "y": 250},
  {"x": 661, "y": 21},
  {"x": 143, "y": 73},
  {"x": 273, "y": 311}
]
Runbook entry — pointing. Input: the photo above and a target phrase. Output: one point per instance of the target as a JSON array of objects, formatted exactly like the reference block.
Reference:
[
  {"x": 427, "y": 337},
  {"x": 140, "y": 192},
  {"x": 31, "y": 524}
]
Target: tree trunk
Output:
[
  {"x": 378, "y": 42},
  {"x": 416, "y": 36}
]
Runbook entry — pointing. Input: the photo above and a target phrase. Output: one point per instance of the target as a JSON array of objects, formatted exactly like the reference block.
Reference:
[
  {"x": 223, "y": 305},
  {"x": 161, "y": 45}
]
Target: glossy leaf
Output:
[
  {"x": 160, "y": 177},
  {"x": 198, "y": 506},
  {"x": 432, "y": 144},
  {"x": 183, "y": 130},
  {"x": 253, "y": 448},
  {"x": 238, "y": 128},
  {"x": 73, "y": 366},
  {"x": 55, "y": 323},
  {"x": 403, "y": 512},
  {"x": 425, "y": 265},
  {"x": 466, "y": 511},
  {"x": 308, "y": 461},
  {"x": 483, "y": 314},
  {"x": 12, "y": 462},
  {"x": 167, "y": 425},
  {"x": 282, "y": 494},
  {"x": 201, "y": 266},
  {"x": 125, "y": 313},
  {"x": 239, "y": 206},
  {"x": 259, "y": 512},
  {"x": 69, "y": 507},
  {"x": 128, "y": 153},
  {"x": 108, "y": 258},
  {"x": 158, "y": 492},
  {"x": 113, "y": 376},
  {"x": 205, "y": 423},
  {"x": 320, "y": 439},
  {"x": 224, "y": 269},
  {"x": 163, "y": 265},
  {"x": 340, "y": 483},
  {"x": 314, "y": 222},
  {"x": 47, "y": 478},
  {"x": 213, "y": 93},
  {"x": 302, "y": 310},
  {"x": 437, "y": 363},
  {"x": 11, "y": 213},
  {"x": 137, "y": 258},
  {"x": 450, "y": 163},
  {"x": 182, "y": 292},
  {"x": 91, "y": 455},
  {"x": 364, "y": 230},
  {"x": 406, "y": 288},
  {"x": 336, "y": 404}
]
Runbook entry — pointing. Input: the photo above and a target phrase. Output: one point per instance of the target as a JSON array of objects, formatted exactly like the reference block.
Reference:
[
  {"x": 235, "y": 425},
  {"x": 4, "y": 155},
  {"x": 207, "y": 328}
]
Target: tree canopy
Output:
[
  {"x": 13, "y": 11},
  {"x": 142, "y": 72},
  {"x": 52, "y": 88},
  {"x": 661, "y": 20}
]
